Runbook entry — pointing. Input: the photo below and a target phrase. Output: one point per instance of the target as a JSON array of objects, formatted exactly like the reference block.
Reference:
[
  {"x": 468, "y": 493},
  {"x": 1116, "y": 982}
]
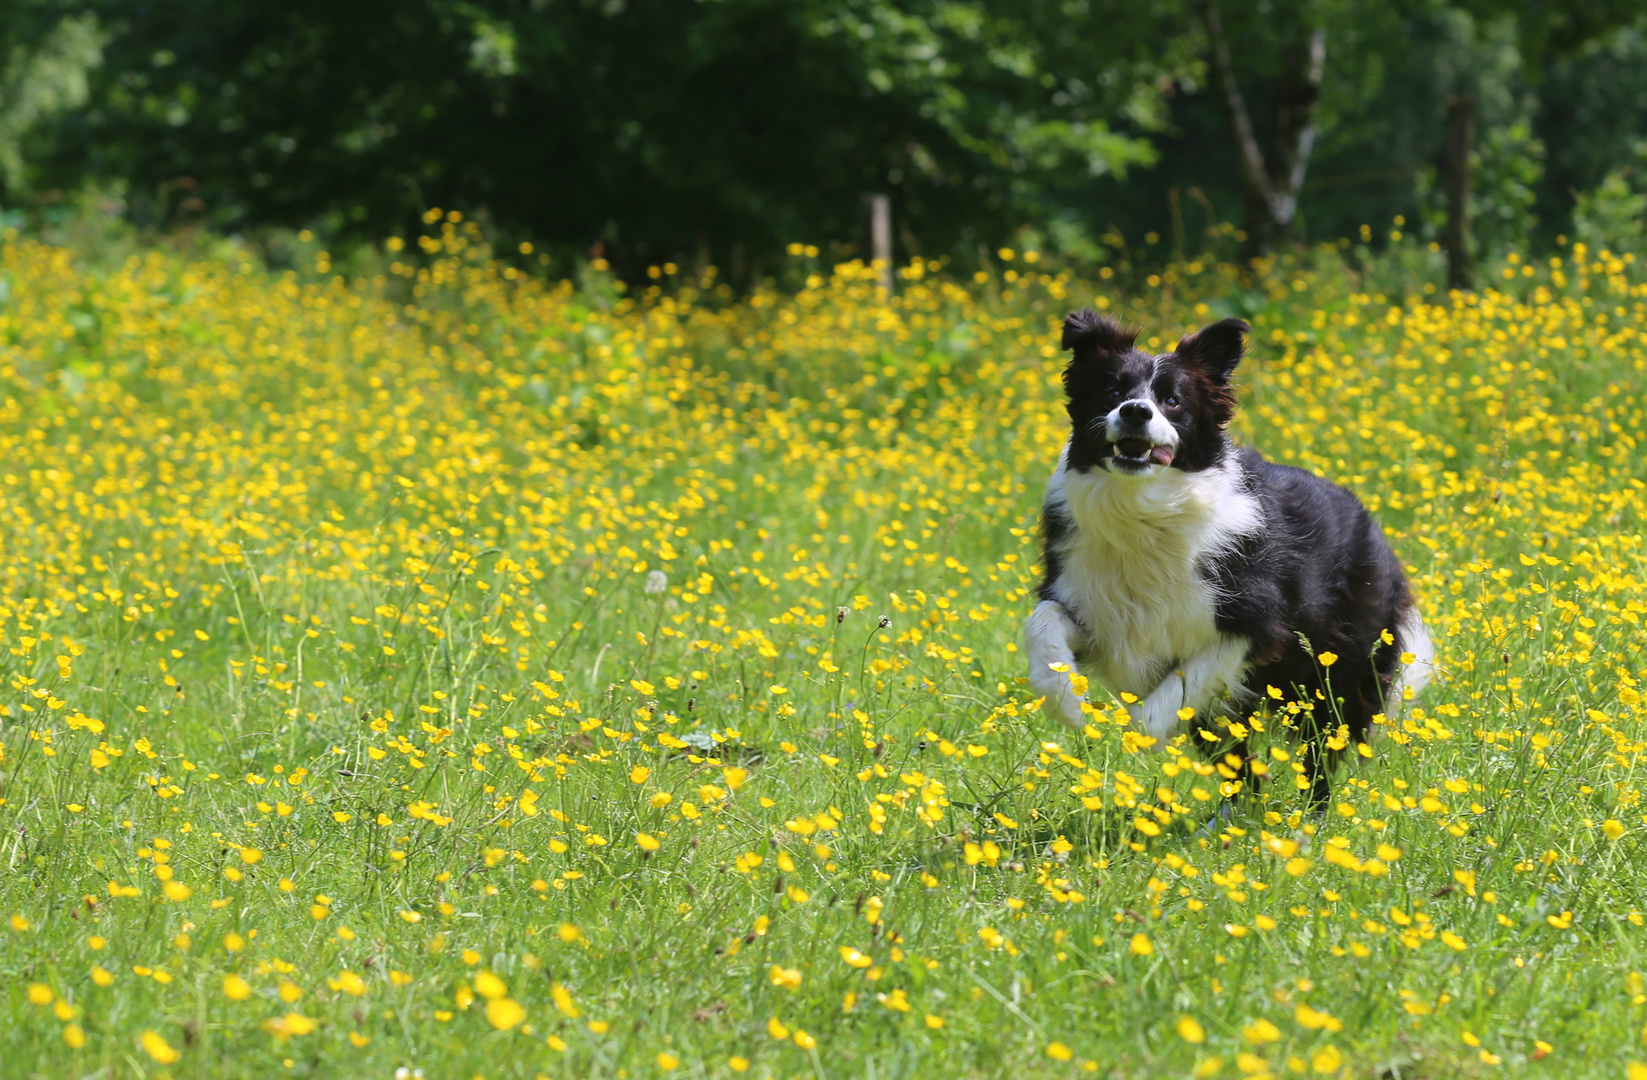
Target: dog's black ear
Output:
[
  {"x": 1093, "y": 335},
  {"x": 1216, "y": 348}
]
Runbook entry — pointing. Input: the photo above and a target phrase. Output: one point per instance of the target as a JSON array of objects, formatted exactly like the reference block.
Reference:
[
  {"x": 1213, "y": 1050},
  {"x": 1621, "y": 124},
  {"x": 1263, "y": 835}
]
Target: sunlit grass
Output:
[{"x": 457, "y": 672}]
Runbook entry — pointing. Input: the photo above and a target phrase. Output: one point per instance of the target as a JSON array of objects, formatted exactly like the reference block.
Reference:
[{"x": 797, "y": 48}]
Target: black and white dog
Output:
[{"x": 1191, "y": 572}]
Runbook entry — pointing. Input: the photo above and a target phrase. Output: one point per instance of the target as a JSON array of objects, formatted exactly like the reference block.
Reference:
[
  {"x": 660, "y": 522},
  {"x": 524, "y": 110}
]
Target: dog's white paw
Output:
[
  {"x": 1068, "y": 710},
  {"x": 1157, "y": 715},
  {"x": 1059, "y": 701},
  {"x": 1047, "y": 640}
]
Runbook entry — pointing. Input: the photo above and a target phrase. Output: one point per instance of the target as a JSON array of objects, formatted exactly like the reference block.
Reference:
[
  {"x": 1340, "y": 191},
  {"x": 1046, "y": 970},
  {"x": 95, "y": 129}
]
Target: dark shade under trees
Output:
[{"x": 723, "y": 130}]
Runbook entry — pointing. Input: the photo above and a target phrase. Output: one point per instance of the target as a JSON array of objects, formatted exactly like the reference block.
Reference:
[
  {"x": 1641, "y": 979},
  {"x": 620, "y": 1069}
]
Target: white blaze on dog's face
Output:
[
  {"x": 1138, "y": 429},
  {"x": 1135, "y": 413}
]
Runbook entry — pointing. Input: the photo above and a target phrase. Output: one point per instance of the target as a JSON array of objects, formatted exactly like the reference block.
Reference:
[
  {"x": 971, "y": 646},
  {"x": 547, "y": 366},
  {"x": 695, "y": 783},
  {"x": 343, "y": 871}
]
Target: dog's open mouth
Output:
[{"x": 1142, "y": 452}]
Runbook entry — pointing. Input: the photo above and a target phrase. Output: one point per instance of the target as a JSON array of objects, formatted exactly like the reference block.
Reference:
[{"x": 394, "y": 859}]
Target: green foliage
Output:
[
  {"x": 1614, "y": 215},
  {"x": 722, "y": 131},
  {"x": 44, "y": 65},
  {"x": 1590, "y": 118},
  {"x": 650, "y": 130}
]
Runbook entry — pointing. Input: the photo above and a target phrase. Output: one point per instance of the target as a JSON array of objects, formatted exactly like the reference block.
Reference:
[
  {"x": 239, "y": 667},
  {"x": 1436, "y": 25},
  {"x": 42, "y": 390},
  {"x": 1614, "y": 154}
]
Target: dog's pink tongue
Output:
[{"x": 1161, "y": 455}]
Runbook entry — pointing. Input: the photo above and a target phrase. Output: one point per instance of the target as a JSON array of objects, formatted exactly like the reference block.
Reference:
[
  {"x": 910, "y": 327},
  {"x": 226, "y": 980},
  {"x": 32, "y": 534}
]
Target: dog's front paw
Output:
[
  {"x": 1157, "y": 715},
  {"x": 1060, "y": 702}
]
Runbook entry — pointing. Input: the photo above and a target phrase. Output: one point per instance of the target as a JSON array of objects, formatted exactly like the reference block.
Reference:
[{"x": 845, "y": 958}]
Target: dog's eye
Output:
[{"x": 1172, "y": 401}]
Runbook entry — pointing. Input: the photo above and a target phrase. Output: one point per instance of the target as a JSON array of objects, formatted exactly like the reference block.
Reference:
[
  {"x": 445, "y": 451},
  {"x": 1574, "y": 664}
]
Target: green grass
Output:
[{"x": 317, "y": 555}]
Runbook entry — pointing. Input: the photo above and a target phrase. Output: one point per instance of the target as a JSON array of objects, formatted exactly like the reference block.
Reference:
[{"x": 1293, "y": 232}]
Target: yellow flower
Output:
[
  {"x": 1260, "y": 1031},
  {"x": 1057, "y": 1051},
  {"x": 1191, "y": 1031},
  {"x": 1315, "y": 1019},
  {"x": 348, "y": 982},
  {"x": 504, "y": 1013},
  {"x": 1142, "y": 945},
  {"x": 40, "y": 994},
  {"x": 647, "y": 841},
  {"x": 155, "y": 1045},
  {"x": 489, "y": 986},
  {"x": 668, "y": 1062},
  {"x": 1328, "y": 659},
  {"x": 1612, "y": 828},
  {"x": 235, "y": 988},
  {"x": 292, "y": 1024}
]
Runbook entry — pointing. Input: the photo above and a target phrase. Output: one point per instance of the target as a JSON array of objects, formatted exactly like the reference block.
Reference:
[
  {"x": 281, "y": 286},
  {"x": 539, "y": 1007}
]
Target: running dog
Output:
[{"x": 1196, "y": 575}]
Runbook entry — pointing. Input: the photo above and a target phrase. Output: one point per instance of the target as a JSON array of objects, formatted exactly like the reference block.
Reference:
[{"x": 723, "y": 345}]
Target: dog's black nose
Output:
[{"x": 1136, "y": 412}]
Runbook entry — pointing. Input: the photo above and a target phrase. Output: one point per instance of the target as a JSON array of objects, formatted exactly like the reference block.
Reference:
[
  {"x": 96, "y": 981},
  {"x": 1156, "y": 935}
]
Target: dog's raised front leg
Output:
[
  {"x": 1049, "y": 638},
  {"x": 1200, "y": 681}
]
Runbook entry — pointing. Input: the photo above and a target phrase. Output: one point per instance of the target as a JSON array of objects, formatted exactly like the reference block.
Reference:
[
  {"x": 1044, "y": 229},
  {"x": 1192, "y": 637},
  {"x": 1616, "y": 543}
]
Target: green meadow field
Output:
[{"x": 444, "y": 669}]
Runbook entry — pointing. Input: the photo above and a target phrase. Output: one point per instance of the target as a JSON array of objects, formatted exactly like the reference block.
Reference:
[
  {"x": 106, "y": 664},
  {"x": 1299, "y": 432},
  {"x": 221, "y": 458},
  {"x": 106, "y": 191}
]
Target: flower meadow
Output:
[{"x": 448, "y": 672}]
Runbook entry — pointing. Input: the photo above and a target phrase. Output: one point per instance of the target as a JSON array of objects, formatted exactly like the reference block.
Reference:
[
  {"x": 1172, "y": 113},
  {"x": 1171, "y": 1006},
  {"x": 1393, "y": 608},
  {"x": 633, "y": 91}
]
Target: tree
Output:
[
  {"x": 1272, "y": 182},
  {"x": 715, "y": 128},
  {"x": 45, "y": 56}
]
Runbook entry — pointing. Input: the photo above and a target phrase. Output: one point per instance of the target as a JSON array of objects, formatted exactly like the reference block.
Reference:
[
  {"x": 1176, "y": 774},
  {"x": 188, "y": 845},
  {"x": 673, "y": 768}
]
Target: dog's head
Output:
[{"x": 1135, "y": 413}]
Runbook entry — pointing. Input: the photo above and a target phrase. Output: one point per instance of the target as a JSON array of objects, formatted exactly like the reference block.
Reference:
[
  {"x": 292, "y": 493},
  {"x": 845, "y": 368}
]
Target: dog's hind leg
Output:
[
  {"x": 1215, "y": 824},
  {"x": 1233, "y": 759},
  {"x": 1050, "y": 637},
  {"x": 1317, "y": 775}
]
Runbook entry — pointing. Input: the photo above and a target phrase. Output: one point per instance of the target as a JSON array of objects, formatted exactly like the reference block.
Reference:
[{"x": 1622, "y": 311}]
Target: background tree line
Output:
[{"x": 722, "y": 130}]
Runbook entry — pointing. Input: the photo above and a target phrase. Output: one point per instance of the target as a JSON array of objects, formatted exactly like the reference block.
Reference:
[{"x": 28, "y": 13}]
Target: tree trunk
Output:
[
  {"x": 1271, "y": 183},
  {"x": 1460, "y": 140}
]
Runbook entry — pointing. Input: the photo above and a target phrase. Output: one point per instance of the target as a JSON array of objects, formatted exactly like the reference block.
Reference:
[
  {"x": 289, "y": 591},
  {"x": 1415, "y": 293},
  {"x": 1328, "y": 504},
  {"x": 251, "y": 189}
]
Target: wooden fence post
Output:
[
  {"x": 880, "y": 236},
  {"x": 1460, "y": 139}
]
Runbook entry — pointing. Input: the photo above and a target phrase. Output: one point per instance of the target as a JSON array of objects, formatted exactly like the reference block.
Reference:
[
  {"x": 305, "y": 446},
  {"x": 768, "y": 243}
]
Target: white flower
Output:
[{"x": 656, "y": 582}]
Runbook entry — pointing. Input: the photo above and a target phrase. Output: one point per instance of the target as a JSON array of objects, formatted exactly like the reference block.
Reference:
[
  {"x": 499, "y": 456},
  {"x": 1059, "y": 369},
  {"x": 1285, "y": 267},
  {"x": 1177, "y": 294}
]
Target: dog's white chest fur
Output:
[{"x": 1130, "y": 565}]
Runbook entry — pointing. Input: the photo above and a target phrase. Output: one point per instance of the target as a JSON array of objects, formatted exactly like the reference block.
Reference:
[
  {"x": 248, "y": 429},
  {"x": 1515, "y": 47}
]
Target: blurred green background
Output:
[{"x": 720, "y": 131}]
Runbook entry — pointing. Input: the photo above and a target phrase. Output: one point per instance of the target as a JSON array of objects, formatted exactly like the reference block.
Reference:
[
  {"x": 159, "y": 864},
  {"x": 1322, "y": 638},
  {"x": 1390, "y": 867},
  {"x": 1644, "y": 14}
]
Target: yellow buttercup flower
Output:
[
  {"x": 504, "y": 1013},
  {"x": 155, "y": 1045}
]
